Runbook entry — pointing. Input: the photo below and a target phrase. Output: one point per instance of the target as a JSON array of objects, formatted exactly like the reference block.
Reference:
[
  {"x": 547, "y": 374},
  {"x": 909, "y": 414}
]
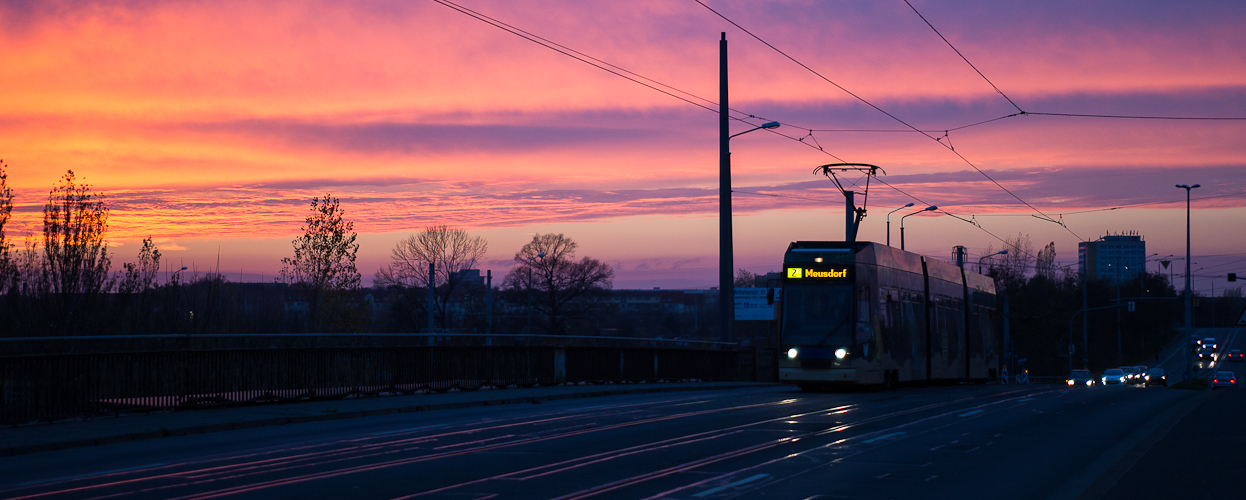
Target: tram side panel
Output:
[
  {"x": 986, "y": 356},
  {"x": 903, "y": 322}
]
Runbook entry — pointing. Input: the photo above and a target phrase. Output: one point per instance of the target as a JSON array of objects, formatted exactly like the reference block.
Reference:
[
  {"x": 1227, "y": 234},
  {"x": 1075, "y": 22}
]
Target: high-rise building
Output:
[{"x": 1114, "y": 257}]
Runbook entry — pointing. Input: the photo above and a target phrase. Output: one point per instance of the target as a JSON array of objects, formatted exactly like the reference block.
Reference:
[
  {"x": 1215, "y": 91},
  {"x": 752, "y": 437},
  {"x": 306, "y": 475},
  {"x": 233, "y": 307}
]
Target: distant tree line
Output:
[
  {"x": 61, "y": 282},
  {"x": 1044, "y": 297}
]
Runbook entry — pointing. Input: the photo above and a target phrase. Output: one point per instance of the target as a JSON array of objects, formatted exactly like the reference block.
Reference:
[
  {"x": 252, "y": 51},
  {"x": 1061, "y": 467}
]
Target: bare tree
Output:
[
  {"x": 1045, "y": 262},
  {"x": 323, "y": 268},
  {"x": 70, "y": 269},
  {"x": 141, "y": 276},
  {"x": 546, "y": 268},
  {"x": 745, "y": 278},
  {"x": 451, "y": 250},
  {"x": 8, "y": 271},
  {"x": 1009, "y": 269},
  {"x": 75, "y": 253}
]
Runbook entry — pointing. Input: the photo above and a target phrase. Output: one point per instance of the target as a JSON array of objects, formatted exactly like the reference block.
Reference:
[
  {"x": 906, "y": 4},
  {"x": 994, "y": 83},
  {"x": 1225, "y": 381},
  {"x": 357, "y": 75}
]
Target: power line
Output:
[
  {"x": 963, "y": 58},
  {"x": 623, "y": 72},
  {"x": 1135, "y": 117},
  {"x": 893, "y": 117},
  {"x": 1156, "y": 203},
  {"x": 953, "y": 129},
  {"x": 597, "y": 63},
  {"x": 773, "y": 195}
]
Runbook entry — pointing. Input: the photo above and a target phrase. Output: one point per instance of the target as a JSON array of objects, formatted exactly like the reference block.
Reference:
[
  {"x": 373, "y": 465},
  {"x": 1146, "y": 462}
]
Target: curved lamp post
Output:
[
  {"x": 1189, "y": 297},
  {"x": 889, "y": 221},
  {"x": 726, "y": 252},
  {"x": 984, "y": 257},
  {"x": 927, "y": 209}
]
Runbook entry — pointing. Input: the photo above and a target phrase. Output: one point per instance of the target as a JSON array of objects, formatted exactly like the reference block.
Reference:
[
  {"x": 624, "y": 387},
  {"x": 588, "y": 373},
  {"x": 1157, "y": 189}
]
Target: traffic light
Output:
[{"x": 1232, "y": 276}]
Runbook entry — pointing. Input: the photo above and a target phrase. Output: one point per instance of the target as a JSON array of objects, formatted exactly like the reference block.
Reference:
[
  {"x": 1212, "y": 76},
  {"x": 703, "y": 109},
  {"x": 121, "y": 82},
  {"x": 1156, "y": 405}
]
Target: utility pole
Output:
[
  {"x": 1189, "y": 296},
  {"x": 1085, "y": 321},
  {"x": 432, "y": 296},
  {"x": 1119, "y": 359},
  {"x": 726, "y": 254},
  {"x": 850, "y": 223},
  {"x": 489, "y": 301}
]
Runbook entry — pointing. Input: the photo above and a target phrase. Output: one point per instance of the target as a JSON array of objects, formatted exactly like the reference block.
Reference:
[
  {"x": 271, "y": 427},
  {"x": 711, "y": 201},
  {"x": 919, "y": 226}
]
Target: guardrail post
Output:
[{"x": 560, "y": 365}]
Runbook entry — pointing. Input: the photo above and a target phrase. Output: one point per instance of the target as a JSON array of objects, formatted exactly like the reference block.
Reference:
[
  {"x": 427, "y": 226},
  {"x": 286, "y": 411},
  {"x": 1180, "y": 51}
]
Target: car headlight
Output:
[
  {"x": 840, "y": 353},
  {"x": 1070, "y": 382},
  {"x": 791, "y": 353},
  {"x": 1090, "y": 382}
]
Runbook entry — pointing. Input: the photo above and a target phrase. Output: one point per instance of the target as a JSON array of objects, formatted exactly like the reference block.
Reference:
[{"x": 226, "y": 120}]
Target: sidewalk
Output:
[{"x": 105, "y": 430}]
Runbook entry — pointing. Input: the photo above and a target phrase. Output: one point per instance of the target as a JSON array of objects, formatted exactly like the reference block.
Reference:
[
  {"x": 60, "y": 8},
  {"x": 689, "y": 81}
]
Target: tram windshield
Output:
[{"x": 817, "y": 314}]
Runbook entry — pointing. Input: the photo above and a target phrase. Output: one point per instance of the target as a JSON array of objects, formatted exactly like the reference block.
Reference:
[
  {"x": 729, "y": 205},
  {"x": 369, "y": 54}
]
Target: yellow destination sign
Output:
[{"x": 799, "y": 273}]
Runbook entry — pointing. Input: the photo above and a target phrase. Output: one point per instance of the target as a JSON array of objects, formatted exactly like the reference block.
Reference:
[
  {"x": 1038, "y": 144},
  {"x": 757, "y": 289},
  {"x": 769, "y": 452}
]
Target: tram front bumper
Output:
[{"x": 795, "y": 375}]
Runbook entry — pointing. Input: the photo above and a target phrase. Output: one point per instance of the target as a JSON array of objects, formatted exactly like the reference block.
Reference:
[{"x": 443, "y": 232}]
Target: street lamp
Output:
[
  {"x": 927, "y": 209},
  {"x": 984, "y": 257},
  {"x": 1189, "y": 298},
  {"x": 726, "y": 252},
  {"x": 889, "y": 221},
  {"x": 173, "y": 278}
]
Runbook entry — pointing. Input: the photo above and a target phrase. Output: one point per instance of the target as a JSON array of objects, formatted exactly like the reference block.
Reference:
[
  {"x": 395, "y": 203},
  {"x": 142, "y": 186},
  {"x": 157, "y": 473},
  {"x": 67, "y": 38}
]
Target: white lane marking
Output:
[
  {"x": 712, "y": 491},
  {"x": 970, "y": 413},
  {"x": 406, "y": 430},
  {"x": 882, "y": 437},
  {"x": 931, "y": 477},
  {"x": 882, "y": 476},
  {"x": 80, "y": 476},
  {"x": 1024, "y": 400}
]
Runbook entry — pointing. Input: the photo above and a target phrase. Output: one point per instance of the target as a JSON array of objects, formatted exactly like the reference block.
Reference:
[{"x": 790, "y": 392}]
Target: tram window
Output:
[
  {"x": 817, "y": 314},
  {"x": 863, "y": 304}
]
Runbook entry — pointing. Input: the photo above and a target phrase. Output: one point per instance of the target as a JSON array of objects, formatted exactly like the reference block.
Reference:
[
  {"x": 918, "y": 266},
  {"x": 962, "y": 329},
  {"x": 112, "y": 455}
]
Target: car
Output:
[
  {"x": 1139, "y": 375},
  {"x": 1208, "y": 342},
  {"x": 1155, "y": 376},
  {"x": 1080, "y": 378},
  {"x": 1207, "y": 354},
  {"x": 1235, "y": 355},
  {"x": 1128, "y": 371},
  {"x": 1224, "y": 379},
  {"x": 1113, "y": 376}
]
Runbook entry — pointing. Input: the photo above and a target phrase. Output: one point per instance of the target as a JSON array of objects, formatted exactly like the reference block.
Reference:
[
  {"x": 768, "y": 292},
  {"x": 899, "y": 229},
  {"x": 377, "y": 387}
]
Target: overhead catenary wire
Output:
[
  {"x": 893, "y": 117},
  {"x": 963, "y": 58},
  {"x": 1137, "y": 117},
  {"x": 808, "y": 140}
]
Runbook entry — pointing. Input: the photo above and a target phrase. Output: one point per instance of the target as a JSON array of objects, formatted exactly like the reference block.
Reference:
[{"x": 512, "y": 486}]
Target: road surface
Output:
[{"x": 1035, "y": 441}]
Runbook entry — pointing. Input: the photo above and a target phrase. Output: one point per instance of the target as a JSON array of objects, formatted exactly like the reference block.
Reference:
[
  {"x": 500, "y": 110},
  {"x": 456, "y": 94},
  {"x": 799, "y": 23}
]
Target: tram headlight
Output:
[
  {"x": 791, "y": 353},
  {"x": 840, "y": 353}
]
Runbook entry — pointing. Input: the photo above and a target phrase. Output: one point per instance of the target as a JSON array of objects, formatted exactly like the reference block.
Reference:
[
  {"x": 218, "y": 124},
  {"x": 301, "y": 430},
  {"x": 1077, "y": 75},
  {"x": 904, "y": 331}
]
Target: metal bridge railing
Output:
[{"x": 55, "y": 384}]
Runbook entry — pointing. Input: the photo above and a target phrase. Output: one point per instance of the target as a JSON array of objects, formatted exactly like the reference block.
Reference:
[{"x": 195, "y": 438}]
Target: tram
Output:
[{"x": 862, "y": 313}]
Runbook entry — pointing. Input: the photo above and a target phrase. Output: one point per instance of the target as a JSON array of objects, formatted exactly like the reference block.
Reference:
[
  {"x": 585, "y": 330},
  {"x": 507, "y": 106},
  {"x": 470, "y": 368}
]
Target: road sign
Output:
[
  {"x": 750, "y": 304},
  {"x": 1241, "y": 319},
  {"x": 1131, "y": 306}
]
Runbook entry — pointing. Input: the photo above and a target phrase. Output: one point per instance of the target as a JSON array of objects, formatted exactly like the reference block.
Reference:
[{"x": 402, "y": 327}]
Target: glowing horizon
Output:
[{"x": 211, "y": 126}]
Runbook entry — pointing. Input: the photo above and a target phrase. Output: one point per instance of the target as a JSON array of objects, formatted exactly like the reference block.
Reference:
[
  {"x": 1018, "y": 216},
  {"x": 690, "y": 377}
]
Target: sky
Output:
[{"x": 210, "y": 126}]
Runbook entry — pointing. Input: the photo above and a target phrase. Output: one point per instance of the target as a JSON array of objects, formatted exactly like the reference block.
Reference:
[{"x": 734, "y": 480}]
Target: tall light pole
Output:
[
  {"x": 927, "y": 209},
  {"x": 889, "y": 221},
  {"x": 1189, "y": 296},
  {"x": 984, "y": 257},
  {"x": 726, "y": 252}
]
